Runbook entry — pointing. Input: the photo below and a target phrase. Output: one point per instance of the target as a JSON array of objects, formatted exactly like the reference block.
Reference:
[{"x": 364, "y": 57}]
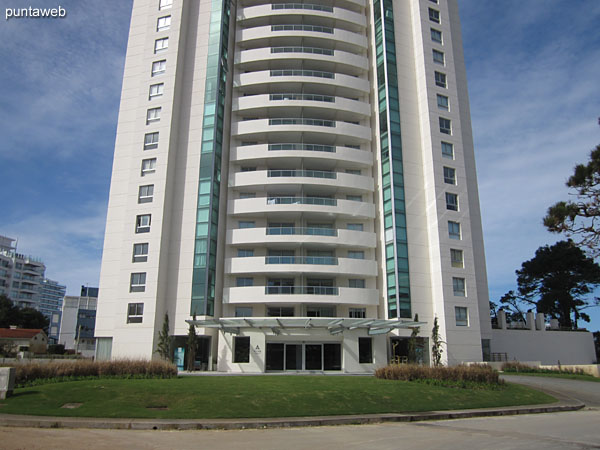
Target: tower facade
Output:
[{"x": 297, "y": 181}]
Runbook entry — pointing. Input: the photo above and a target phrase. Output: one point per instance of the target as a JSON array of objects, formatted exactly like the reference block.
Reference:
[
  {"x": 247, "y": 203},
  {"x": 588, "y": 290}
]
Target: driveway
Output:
[{"x": 586, "y": 392}]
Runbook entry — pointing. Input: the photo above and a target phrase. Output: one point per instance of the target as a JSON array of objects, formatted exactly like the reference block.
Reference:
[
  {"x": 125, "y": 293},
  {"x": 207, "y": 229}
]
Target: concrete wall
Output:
[{"x": 549, "y": 347}]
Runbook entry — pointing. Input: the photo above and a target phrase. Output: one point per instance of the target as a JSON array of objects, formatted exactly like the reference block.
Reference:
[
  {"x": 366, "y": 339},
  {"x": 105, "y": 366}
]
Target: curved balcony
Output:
[
  {"x": 284, "y": 129},
  {"x": 275, "y": 57},
  {"x": 268, "y": 35},
  {"x": 294, "y": 103},
  {"x": 301, "y": 205},
  {"x": 301, "y": 265},
  {"x": 327, "y": 81},
  {"x": 309, "y": 152},
  {"x": 349, "y": 182},
  {"x": 300, "y": 294},
  {"x": 301, "y": 235},
  {"x": 262, "y": 13}
]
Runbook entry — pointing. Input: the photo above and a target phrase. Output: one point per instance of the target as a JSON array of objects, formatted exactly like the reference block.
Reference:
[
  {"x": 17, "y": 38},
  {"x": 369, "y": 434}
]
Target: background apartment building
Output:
[{"x": 299, "y": 177}]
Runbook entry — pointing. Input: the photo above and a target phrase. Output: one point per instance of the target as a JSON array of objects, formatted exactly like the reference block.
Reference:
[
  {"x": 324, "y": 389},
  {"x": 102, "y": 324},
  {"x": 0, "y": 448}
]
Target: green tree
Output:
[
  {"x": 11, "y": 314},
  {"x": 557, "y": 282},
  {"x": 436, "y": 344},
  {"x": 579, "y": 218},
  {"x": 164, "y": 340},
  {"x": 192, "y": 343}
]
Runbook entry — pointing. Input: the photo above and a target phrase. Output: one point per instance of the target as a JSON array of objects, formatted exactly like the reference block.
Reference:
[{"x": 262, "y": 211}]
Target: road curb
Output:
[{"x": 13, "y": 420}]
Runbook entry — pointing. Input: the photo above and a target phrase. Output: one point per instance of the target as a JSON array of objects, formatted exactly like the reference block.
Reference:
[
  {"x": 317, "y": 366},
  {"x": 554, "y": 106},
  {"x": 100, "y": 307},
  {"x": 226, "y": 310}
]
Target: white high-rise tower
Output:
[{"x": 299, "y": 177}]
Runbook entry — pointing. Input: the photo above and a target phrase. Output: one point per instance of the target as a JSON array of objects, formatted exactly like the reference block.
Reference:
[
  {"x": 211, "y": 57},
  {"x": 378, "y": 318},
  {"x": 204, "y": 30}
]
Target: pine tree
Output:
[
  {"x": 164, "y": 340},
  {"x": 192, "y": 342},
  {"x": 436, "y": 344}
]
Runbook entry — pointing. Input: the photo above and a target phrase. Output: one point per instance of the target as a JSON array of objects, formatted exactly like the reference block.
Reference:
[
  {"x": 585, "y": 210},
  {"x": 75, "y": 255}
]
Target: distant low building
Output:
[
  {"x": 15, "y": 340},
  {"x": 77, "y": 322}
]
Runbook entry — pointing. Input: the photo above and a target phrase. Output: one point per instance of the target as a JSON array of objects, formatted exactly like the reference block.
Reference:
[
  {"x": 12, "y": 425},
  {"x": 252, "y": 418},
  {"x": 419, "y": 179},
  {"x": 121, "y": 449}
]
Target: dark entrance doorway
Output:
[
  {"x": 400, "y": 350},
  {"x": 313, "y": 356}
]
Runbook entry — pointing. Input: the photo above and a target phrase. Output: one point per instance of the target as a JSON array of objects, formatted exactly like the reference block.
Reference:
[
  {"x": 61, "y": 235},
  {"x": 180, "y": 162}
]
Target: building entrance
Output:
[{"x": 311, "y": 356}]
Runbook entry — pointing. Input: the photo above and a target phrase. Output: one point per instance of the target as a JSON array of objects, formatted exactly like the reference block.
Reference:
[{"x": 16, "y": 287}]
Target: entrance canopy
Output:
[{"x": 335, "y": 325}]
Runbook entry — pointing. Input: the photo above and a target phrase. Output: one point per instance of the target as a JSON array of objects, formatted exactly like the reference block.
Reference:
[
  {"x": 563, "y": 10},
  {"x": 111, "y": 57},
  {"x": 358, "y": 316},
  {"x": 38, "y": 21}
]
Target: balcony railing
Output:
[
  {"x": 274, "y": 173},
  {"x": 301, "y": 6},
  {"x": 305, "y": 231},
  {"x": 302, "y": 73},
  {"x": 306, "y": 97},
  {"x": 302, "y": 121},
  {"x": 301, "y": 290},
  {"x": 312, "y": 260},
  {"x": 308, "y": 147},
  {"x": 315, "y": 28},
  {"x": 301, "y": 49},
  {"x": 301, "y": 201}
]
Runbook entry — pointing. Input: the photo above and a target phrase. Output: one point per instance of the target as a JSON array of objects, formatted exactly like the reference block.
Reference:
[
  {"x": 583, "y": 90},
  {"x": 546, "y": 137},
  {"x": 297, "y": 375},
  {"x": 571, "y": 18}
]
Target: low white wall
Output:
[{"x": 548, "y": 347}]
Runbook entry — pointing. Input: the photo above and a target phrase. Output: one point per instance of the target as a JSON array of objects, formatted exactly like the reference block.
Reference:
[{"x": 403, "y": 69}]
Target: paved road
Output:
[{"x": 567, "y": 430}]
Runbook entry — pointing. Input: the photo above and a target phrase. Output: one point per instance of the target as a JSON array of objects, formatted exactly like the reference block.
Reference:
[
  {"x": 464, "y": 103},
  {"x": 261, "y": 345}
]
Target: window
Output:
[
  {"x": 449, "y": 175},
  {"x": 356, "y": 283},
  {"x": 241, "y": 349},
  {"x": 354, "y": 198},
  {"x": 146, "y": 193},
  {"x": 438, "y": 56},
  {"x": 353, "y": 171},
  {"x": 246, "y": 224},
  {"x": 163, "y": 23},
  {"x": 357, "y": 313},
  {"x": 458, "y": 287},
  {"x": 462, "y": 316},
  {"x": 243, "y": 311},
  {"x": 442, "y": 102},
  {"x": 276, "y": 311},
  {"x": 453, "y": 230},
  {"x": 448, "y": 150},
  {"x": 445, "y": 126},
  {"x": 247, "y": 194},
  {"x": 150, "y": 141},
  {"x": 161, "y": 44},
  {"x": 156, "y": 90},
  {"x": 434, "y": 15},
  {"x": 248, "y": 169},
  {"x": 142, "y": 223},
  {"x": 148, "y": 166},
  {"x": 165, "y": 4},
  {"x": 440, "y": 79},
  {"x": 138, "y": 282},
  {"x": 365, "y": 350},
  {"x": 153, "y": 115},
  {"x": 456, "y": 257},
  {"x": 434, "y": 1},
  {"x": 135, "y": 311},
  {"x": 354, "y": 226},
  {"x": 245, "y": 252},
  {"x": 320, "y": 311},
  {"x": 451, "y": 201},
  {"x": 356, "y": 254},
  {"x": 159, "y": 67},
  {"x": 244, "y": 281},
  {"x": 436, "y": 35},
  {"x": 140, "y": 252}
]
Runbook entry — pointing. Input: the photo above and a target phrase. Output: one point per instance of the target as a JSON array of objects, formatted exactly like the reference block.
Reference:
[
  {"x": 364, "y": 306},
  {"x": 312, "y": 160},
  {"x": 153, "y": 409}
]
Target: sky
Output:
[{"x": 533, "y": 72}]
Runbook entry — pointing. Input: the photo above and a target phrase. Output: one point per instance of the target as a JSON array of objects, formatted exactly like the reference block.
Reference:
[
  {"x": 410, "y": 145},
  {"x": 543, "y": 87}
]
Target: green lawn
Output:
[
  {"x": 569, "y": 376},
  {"x": 260, "y": 396}
]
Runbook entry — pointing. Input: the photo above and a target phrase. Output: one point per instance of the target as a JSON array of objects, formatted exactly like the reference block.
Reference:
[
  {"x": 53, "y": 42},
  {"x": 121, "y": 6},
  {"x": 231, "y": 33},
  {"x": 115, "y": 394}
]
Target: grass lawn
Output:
[
  {"x": 260, "y": 396},
  {"x": 569, "y": 376}
]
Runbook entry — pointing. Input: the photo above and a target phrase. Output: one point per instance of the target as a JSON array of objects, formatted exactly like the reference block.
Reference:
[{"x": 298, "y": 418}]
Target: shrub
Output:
[
  {"x": 33, "y": 372},
  {"x": 518, "y": 367},
  {"x": 459, "y": 375}
]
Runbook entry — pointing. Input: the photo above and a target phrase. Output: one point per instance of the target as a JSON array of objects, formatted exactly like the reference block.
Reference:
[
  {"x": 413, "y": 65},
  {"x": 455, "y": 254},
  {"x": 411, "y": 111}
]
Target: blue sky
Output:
[{"x": 533, "y": 69}]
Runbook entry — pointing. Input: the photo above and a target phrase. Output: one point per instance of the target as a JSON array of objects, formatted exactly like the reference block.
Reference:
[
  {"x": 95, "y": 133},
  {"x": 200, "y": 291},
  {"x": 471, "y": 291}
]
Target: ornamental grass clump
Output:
[
  {"x": 460, "y": 376},
  {"x": 35, "y": 373}
]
